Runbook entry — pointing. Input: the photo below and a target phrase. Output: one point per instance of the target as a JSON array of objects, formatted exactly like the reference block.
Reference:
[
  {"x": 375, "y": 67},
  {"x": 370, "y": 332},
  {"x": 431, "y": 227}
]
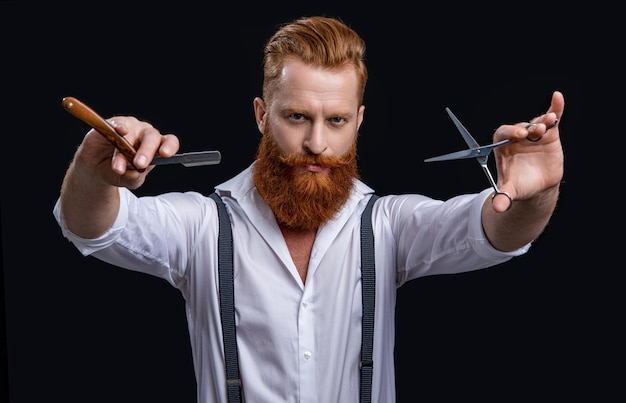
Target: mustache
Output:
[{"x": 295, "y": 160}]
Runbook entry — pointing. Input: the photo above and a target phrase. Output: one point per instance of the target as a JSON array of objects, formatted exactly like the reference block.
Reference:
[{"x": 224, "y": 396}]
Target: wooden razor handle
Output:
[{"x": 89, "y": 116}]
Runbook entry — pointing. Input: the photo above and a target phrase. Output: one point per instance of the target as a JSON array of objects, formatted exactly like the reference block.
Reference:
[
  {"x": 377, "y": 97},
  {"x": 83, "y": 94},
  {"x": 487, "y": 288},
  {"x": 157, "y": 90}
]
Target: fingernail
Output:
[
  {"x": 142, "y": 160},
  {"x": 118, "y": 166},
  {"x": 556, "y": 121},
  {"x": 530, "y": 126}
]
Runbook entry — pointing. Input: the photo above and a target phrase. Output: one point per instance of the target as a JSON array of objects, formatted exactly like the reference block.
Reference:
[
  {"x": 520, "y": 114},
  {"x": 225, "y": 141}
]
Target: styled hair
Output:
[{"x": 317, "y": 41}]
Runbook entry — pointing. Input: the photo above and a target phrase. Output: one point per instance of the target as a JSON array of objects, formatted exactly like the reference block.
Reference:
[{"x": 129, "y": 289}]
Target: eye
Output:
[
  {"x": 297, "y": 116},
  {"x": 337, "y": 120}
]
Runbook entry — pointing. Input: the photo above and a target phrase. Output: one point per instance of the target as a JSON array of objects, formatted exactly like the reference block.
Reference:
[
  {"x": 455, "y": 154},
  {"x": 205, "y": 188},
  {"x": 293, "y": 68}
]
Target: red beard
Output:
[{"x": 301, "y": 199}]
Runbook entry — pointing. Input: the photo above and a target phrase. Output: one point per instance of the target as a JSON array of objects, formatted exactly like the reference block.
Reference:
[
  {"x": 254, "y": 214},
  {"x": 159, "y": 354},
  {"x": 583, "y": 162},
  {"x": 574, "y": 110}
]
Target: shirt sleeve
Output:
[
  {"x": 476, "y": 233},
  {"x": 440, "y": 237},
  {"x": 88, "y": 246}
]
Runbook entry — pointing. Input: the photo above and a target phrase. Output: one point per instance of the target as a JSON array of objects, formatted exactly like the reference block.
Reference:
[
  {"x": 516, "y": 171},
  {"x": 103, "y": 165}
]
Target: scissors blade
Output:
[
  {"x": 476, "y": 152},
  {"x": 192, "y": 159},
  {"x": 457, "y": 155},
  {"x": 471, "y": 142}
]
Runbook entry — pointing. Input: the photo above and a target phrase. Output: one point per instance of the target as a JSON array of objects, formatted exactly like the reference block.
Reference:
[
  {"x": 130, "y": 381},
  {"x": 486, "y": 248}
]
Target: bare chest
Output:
[{"x": 300, "y": 244}]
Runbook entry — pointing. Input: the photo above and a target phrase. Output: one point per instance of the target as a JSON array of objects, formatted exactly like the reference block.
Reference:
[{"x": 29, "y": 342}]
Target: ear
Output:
[
  {"x": 259, "y": 113},
  {"x": 360, "y": 116}
]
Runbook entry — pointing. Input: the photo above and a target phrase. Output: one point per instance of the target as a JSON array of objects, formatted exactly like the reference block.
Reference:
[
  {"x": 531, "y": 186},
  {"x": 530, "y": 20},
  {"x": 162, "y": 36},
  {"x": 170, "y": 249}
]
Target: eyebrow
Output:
[{"x": 303, "y": 111}]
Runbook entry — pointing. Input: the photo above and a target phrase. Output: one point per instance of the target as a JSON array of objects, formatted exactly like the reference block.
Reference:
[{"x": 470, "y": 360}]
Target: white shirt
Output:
[{"x": 297, "y": 342}]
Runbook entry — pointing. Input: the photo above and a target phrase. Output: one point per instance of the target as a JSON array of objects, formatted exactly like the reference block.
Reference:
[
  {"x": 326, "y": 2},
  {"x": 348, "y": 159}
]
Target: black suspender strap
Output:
[
  {"x": 368, "y": 285},
  {"x": 227, "y": 301}
]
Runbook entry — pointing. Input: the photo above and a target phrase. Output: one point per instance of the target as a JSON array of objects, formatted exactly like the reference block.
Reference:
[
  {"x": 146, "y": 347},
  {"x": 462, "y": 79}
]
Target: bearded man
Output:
[{"x": 295, "y": 215}]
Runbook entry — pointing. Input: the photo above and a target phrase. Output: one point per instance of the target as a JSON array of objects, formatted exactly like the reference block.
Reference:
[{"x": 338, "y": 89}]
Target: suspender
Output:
[
  {"x": 368, "y": 285},
  {"x": 227, "y": 301}
]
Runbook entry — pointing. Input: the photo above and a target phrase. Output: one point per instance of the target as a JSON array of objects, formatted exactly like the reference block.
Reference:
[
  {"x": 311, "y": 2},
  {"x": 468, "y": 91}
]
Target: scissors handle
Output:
[
  {"x": 89, "y": 116},
  {"x": 496, "y": 191}
]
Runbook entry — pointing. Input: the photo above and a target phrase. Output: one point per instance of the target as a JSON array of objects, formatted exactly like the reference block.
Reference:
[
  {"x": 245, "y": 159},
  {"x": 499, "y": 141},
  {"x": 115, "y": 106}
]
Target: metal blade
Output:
[
  {"x": 192, "y": 159},
  {"x": 464, "y": 132},
  {"x": 476, "y": 152},
  {"x": 469, "y": 153}
]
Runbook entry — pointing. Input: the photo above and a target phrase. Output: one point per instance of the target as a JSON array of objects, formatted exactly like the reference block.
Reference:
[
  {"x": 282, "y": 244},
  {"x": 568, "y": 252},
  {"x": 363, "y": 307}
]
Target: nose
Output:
[{"x": 315, "y": 141}]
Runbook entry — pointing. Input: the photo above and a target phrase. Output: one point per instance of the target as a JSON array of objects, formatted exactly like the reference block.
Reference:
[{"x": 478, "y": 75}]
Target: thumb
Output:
[{"x": 501, "y": 201}]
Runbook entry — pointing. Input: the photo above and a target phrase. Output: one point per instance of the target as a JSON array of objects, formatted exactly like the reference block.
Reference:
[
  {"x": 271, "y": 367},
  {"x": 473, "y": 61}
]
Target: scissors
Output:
[{"x": 481, "y": 153}]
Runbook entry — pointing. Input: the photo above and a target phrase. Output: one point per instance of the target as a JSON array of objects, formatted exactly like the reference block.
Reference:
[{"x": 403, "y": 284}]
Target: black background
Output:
[{"x": 80, "y": 330}]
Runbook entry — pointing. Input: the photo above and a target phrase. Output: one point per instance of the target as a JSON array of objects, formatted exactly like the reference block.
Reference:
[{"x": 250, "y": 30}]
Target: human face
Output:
[
  {"x": 313, "y": 111},
  {"x": 305, "y": 189}
]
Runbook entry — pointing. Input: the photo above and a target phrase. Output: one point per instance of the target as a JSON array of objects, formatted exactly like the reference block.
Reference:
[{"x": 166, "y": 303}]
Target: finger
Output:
[
  {"x": 123, "y": 126},
  {"x": 155, "y": 145},
  {"x": 554, "y": 113},
  {"x": 531, "y": 131},
  {"x": 119, "y": 163},
  {"x": 540, "y": 125},
  {"x": 532, "y": 134},
  {"x": 557, "y": 105},
  {"x": 501, "y": 201},
  {"x": 169, "y": 145}
]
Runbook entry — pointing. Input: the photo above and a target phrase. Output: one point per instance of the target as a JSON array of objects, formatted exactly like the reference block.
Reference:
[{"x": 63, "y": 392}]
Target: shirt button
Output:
[
  {"x": 307, "y": 354},
  {"x": 305, "y": 304}
]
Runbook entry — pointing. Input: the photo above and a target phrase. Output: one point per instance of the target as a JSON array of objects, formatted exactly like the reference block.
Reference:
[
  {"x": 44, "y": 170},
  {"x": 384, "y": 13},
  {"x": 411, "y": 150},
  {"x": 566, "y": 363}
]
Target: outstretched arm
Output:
[
  {"x": 530, "y": 170},
  {"x": 89, "y": 195}
]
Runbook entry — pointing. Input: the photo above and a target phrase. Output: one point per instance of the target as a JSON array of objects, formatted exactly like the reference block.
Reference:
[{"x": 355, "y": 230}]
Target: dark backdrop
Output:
[{"x": 80, "y": 330}]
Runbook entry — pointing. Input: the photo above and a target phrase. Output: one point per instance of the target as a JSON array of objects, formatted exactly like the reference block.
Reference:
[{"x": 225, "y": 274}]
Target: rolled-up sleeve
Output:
[
  {"x": 88, "y": 246},
  {"x": 440, "y": 237},
  {"x": 476, "y": 234}
]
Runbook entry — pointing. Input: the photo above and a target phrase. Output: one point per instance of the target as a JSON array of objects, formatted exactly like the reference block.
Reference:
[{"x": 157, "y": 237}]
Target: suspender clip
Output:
[{"x": 233, "y": 382}]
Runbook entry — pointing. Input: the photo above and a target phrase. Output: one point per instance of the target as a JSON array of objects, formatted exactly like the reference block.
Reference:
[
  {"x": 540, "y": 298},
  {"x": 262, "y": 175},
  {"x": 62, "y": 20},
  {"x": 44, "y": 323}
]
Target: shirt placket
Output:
[{"x": 307, "y": 358}]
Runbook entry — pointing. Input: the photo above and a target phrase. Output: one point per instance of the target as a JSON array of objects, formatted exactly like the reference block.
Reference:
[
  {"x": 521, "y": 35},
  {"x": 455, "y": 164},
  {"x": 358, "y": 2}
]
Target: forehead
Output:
[{"x": 300, "y": 82}]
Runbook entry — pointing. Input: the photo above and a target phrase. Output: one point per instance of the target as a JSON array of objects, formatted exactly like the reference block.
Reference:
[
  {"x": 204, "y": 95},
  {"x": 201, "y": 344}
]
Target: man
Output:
[{"x": 295, "y": 215}]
